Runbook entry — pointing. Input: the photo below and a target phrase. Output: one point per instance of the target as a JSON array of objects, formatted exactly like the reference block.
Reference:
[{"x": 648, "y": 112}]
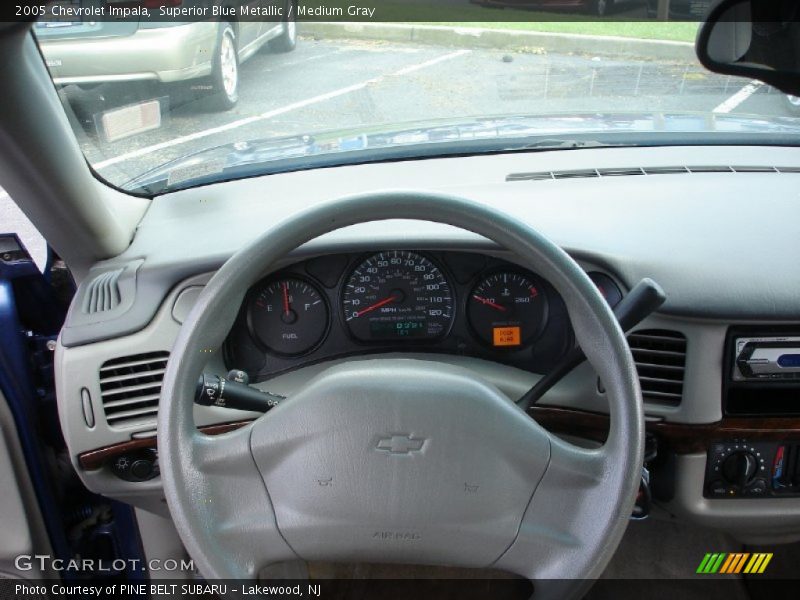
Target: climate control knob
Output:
[{"x": 740, "y": 468}]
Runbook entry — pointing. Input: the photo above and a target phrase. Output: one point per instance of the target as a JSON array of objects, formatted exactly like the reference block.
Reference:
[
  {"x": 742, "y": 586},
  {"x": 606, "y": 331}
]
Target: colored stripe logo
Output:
[{"x": 734, "y": 563}]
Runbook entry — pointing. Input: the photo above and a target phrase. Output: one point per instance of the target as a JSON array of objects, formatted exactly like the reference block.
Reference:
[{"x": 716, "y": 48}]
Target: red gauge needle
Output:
[
  {"x": 488, "y": 302},
  {"x": 285, "y": 288},
  {"x": 378, "y": 304}
]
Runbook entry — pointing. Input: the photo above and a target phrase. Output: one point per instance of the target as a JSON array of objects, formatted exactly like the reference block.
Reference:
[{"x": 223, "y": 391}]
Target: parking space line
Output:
[
  {"x": 430, "y": 63},
  {"x": 739, "y": 97},
  {"x": 305, "y": 59},
  {"x": 277, "y": 111}
]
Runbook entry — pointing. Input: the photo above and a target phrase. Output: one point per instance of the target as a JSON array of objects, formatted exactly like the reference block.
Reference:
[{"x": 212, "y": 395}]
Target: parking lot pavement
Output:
[
  {"x": 13, "y": 220},
  {"x": 337, "y": 84}
]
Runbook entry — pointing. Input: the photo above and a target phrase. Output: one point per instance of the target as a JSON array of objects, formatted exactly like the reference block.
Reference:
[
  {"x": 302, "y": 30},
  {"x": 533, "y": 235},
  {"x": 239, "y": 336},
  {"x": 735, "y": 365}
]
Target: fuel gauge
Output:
[{"x": 289, "y": 316}]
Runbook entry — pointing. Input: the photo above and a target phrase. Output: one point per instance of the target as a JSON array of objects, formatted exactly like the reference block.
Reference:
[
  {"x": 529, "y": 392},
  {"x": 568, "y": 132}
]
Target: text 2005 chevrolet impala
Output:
[{"x": 428, "y": 316}]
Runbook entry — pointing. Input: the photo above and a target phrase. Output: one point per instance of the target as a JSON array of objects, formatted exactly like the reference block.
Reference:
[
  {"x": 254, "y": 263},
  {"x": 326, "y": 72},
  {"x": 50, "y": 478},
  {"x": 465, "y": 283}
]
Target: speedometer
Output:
[{"x": 397, "y": 295}]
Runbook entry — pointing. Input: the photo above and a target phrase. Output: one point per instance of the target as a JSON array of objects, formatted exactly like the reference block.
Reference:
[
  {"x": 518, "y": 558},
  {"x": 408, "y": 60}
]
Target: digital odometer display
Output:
[
  {"x": 399, "y": 329},
  {"x": 397, "y": 295}
]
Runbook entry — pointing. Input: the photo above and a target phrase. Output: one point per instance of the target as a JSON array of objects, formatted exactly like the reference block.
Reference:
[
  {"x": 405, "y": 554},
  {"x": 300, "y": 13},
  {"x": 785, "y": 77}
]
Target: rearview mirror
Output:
[{"x": 759, "y": 39}]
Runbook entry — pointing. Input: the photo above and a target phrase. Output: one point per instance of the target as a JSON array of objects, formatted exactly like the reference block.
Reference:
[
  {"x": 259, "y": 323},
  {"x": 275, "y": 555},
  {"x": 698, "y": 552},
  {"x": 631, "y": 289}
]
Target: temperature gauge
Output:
[
  {"x": 288, "y": 316},
  {"x": 507, "y": 310}
]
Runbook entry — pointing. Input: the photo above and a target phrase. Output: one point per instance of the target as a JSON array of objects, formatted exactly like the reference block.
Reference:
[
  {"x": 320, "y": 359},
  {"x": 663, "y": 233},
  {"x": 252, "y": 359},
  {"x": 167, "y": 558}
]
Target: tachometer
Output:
[
  {"x": 507, "y": 310},
  {"x": 288, "y": 316},
  {"x": 397, "y": 295}
]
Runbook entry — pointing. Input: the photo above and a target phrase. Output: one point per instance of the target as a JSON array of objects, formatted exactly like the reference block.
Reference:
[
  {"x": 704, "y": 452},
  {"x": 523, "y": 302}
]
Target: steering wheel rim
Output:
[{"x": 232, "y": 516}]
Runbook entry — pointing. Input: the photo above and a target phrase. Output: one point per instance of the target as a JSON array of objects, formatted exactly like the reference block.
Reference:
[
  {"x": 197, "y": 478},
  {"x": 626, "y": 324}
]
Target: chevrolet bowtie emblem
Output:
[{"x": 400, "y": 444}]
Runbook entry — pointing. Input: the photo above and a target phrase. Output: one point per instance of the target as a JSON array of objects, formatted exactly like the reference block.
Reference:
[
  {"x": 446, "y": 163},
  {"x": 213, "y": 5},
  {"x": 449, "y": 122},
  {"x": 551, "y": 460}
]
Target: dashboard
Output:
[
  {"x": 461, "y": 303},
  {"x": 686, "y": 230}
]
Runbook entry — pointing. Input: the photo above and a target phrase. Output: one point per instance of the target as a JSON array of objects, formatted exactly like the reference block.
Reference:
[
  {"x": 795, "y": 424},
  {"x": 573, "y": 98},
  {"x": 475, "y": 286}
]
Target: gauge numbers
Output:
[
  {"x": 397, "y": 295},
  {"x": 506, "y": 310}
]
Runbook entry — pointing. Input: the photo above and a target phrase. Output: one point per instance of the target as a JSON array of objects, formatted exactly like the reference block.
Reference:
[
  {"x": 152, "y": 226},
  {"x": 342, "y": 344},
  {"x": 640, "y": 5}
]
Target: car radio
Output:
[
  {"x": 764, "y": 358},
  {"x": 761, "y": 371}
]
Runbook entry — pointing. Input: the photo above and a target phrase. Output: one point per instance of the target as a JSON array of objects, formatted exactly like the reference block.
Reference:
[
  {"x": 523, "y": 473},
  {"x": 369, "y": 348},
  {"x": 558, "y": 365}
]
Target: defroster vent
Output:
[{"x": 102, "y": 293}]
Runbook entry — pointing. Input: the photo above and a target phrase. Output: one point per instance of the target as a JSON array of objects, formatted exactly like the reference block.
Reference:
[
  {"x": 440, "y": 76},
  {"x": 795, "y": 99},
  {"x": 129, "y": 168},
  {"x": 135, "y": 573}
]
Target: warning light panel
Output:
[{"x": 506, "y": 336}]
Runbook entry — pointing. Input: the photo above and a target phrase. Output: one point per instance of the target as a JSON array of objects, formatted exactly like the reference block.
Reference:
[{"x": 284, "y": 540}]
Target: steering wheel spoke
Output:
[
  {"x": 575, "y": 469},
  {"x": 227, "y": 495},
  {"x": 222, "y": 454},
  {"x": 574, "y": 506}
]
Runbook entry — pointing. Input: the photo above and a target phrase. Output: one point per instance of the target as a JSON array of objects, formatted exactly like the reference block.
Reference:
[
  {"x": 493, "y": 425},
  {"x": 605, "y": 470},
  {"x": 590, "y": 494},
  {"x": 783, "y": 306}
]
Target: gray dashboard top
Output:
[{"x": 722, "y": 244}]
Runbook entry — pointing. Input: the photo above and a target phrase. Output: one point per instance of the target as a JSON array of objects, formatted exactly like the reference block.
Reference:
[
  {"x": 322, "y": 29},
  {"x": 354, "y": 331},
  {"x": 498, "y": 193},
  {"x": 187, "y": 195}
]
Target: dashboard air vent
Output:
[
  {"x": 102, "y": 293},
  {"x": 130, "y": 387},
  {"x": 665, "y": 170},
  {"x": 538, "y": 176},
  {"x": 710, "y": 169},
  {"x": 630, "y": 171},
  {"x": 623, "y": 172},
  {"x": 576, "y": 174},
  {"x": 660, "y": 357}
]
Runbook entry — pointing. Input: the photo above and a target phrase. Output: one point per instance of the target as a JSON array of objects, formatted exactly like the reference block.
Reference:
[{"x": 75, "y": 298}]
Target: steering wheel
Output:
[{"x": 397, "y": 460}]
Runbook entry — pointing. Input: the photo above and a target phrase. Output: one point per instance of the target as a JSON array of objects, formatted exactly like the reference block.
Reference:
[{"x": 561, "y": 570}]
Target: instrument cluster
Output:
[{"x": 402, "y": 301}]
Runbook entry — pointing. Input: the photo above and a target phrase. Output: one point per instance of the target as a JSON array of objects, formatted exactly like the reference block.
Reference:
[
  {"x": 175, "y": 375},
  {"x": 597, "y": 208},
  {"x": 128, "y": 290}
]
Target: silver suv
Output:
[{"x": 207, "y": 53}]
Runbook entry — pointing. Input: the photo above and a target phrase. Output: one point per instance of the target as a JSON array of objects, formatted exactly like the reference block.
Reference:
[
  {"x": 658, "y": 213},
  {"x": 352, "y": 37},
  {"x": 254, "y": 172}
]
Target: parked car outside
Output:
[
  {"x": 681, "y": 10},
  {"x": 207, "y": 54}
]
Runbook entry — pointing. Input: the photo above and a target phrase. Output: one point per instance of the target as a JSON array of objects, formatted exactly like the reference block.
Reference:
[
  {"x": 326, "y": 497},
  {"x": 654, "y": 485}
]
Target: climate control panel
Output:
[{"x": 744, "y": 469}]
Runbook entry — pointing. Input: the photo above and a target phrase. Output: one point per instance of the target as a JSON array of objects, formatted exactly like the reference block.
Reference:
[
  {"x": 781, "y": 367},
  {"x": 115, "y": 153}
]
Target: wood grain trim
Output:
[
  {"x": 675, "y": 437},
  {"x": 94, "y": 459}
]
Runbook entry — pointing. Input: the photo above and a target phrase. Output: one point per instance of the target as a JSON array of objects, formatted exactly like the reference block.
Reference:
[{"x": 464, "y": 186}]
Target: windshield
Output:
[{"x": 159, "y": 104}]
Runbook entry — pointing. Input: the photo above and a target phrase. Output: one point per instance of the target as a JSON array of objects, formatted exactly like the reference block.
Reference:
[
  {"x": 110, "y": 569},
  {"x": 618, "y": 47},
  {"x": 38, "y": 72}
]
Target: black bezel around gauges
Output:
[
  {"x": 384, "y": 285},
  {"x": 462, "y": 270},
  {"x": 497, "y": 320},
  {"x": 290, "y": 315}
]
